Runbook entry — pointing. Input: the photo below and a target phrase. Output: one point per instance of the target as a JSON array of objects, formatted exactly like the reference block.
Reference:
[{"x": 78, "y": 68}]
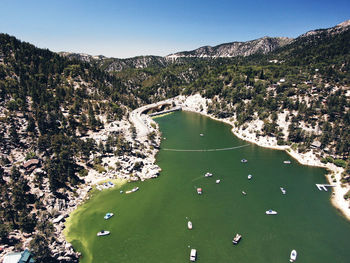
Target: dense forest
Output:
[{"x": 49, "y": 102}]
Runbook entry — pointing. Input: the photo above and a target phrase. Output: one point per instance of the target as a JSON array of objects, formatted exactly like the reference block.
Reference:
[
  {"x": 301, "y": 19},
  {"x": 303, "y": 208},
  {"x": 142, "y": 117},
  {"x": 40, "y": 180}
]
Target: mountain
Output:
[
  {"x": 262, "y": 45},
  {"x": 316, "y": 46},
  {"x": 119, "y": 64}
]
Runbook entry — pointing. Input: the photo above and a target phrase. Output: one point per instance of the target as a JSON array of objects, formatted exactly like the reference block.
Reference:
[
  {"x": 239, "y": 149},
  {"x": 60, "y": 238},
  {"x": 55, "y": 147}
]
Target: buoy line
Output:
[{"x": 205, "y": 150}]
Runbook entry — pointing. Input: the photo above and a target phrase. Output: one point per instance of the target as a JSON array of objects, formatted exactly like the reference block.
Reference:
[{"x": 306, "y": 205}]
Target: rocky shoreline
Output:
[{"x": 198, "y": 104}]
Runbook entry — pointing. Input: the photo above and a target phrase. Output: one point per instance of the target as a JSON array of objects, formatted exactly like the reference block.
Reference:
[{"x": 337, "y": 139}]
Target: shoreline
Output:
[{"x": 197, "y": 104}]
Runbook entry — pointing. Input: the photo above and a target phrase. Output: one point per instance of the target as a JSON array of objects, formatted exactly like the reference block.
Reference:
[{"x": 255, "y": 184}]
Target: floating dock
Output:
[{"x": 323, "y": 187}]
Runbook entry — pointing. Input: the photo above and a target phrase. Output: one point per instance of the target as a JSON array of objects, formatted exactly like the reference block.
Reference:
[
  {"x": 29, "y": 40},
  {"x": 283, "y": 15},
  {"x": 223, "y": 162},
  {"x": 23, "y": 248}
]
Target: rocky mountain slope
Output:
[{"x": 262, "y": 45}]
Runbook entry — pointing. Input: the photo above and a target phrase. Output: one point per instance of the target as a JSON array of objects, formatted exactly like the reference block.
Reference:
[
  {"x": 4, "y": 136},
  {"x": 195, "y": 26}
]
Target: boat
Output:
[
  {"x": 293, "y": 255},
  {"x": 249, "y": 176},
  {"x": 217, "y": 181},
  {"x": 189, "y": 225},
  {"x": 103, "y": 233},
  {"x": 208, "y": 175},
  {"x": 244, "y": 160},
  {"x": 193, "y": 255},
  {"x": 108, "y": 216},
  {"x": 271, "y": 212},
  {"x": 287, "y": 162},
  {"x": 132, "y": 190},
  {"x": 244, "y": 193},
  {"x": 201, "y": 134},
  {"x": 236, "y": 239},
  {"x": 283, "y": 190},
  {"x": 199, "y": 191},
  {"x": 121, "y": 191}
]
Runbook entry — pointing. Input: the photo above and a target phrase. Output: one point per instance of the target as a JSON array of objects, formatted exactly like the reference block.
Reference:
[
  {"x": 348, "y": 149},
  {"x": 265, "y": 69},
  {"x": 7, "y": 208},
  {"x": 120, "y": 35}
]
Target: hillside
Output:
[
  {"x": 60, "y": 119},
  {"x": 234, "y": 49}
]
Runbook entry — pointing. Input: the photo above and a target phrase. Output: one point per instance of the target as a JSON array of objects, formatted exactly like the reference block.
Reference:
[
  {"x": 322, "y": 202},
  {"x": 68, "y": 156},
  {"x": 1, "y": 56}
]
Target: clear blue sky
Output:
[{"x": 160, "y": 27}]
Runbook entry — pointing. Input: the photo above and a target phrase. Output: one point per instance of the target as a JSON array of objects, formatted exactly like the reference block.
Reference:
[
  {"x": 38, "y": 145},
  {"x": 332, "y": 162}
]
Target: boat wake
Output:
[{"x": 205, "y": 150}]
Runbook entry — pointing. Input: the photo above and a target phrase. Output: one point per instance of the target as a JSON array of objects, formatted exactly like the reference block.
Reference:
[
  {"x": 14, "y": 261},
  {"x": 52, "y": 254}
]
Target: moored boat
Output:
[
  {"x": 193, "y": 255},
  {"x": 103, "y": 233},
  {"x": 287, "y": 162},
  {"x": 208, "y": 175},
  {"x": 271, "y": 212},
  {"x": 108, "y": 215},
  {"x": 189, "y": 225},
  {"x": 244, "y": 160},
  {"x": 249, "y": 176},
  {"x": 199, "y": 191},
  {"x": 236, "y": 239},
  {"x": 217, "y": 181},
  {"x": 132, "y": 190},
  {"x": 244, "y": 193},
  {"x": 293, "y": 255},
  {"x": 283, "y": 190}
]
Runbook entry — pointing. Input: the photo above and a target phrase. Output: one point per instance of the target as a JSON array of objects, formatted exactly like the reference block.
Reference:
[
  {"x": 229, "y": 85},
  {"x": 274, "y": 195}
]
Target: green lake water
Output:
[{"x": 150, "y": 225}]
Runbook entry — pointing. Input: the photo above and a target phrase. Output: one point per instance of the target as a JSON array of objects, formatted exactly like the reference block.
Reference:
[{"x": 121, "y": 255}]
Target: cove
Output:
[{"x": 150, "y": 225}]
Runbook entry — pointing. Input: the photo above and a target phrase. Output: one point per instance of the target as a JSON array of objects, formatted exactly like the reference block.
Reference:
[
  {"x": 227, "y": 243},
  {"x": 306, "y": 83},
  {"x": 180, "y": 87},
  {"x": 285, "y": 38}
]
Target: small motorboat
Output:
[
  {"x": 201, "y": 134},
  {"x": 208, "y": 175},
  {"x": 283, "y": 190},
  {"x": 249, "y": 176},
  {"x": 121, "y": 191},
  {"x": 132, "y": 190},
  {"x": 103, "y": 233},
  {"x": 271, "y": 212},
  {"x": 293, "y": 255},
  {"x": 244, "y": 160},
  {"x": 193, "y": 255},
  {"x": 236, "y": 239},
  {"x": 218, "y": 181},
  {"x": 189, "y": 225},
  {"x": 244, "y": 193},
  {"x": 287, "y": 162},
  {"x": 199, "y": 191},
  {"x": 108, "y": 216}
]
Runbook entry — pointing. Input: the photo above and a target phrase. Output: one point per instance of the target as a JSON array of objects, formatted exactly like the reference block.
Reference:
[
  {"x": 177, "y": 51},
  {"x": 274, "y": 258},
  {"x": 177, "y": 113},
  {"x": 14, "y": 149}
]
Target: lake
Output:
[{"x": 150, "y": 225}]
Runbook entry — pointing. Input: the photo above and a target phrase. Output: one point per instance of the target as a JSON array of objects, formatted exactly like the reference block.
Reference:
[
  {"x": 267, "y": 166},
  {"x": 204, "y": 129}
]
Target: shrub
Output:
[
  {"x": 340, "y": 163},
  {"x": 329, "y": 159}
]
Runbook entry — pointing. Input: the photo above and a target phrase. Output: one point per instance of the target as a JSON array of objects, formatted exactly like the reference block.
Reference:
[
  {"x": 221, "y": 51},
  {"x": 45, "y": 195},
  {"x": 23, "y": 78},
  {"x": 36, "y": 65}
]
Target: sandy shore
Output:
[{"x": 198, "y": 104}]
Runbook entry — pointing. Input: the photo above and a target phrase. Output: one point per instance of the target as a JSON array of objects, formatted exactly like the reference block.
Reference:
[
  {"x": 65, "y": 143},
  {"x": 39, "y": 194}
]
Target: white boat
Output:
[
  {"x": 217, "y": 181},
  {"x": 244, "y": 160},
  {"x": 293, "y": 255},
  {"x": 108, "y": 216},
  {"x": 236, "y": 239},
  {"x": 201, "y": 134},
  {"x": 271, "y": 212},
  {"x": 199, "y": 191},
  {"x": 283, "y": 190},
  {"x": 244, "y": 193},
  {"x": 249, "y": 176},
  {"x": 193, "y": 255},
  {"x": 189, "y": 225},
  {"x": 287, "y": 162},
  {"x": 208, "y": 175},
  {"x": 132, "y": 190},
  {"x": 103, "y": 233}
]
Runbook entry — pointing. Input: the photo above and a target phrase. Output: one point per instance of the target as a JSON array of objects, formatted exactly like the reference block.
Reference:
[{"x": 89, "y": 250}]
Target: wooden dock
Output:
[{"x": 323, "y": 187}]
